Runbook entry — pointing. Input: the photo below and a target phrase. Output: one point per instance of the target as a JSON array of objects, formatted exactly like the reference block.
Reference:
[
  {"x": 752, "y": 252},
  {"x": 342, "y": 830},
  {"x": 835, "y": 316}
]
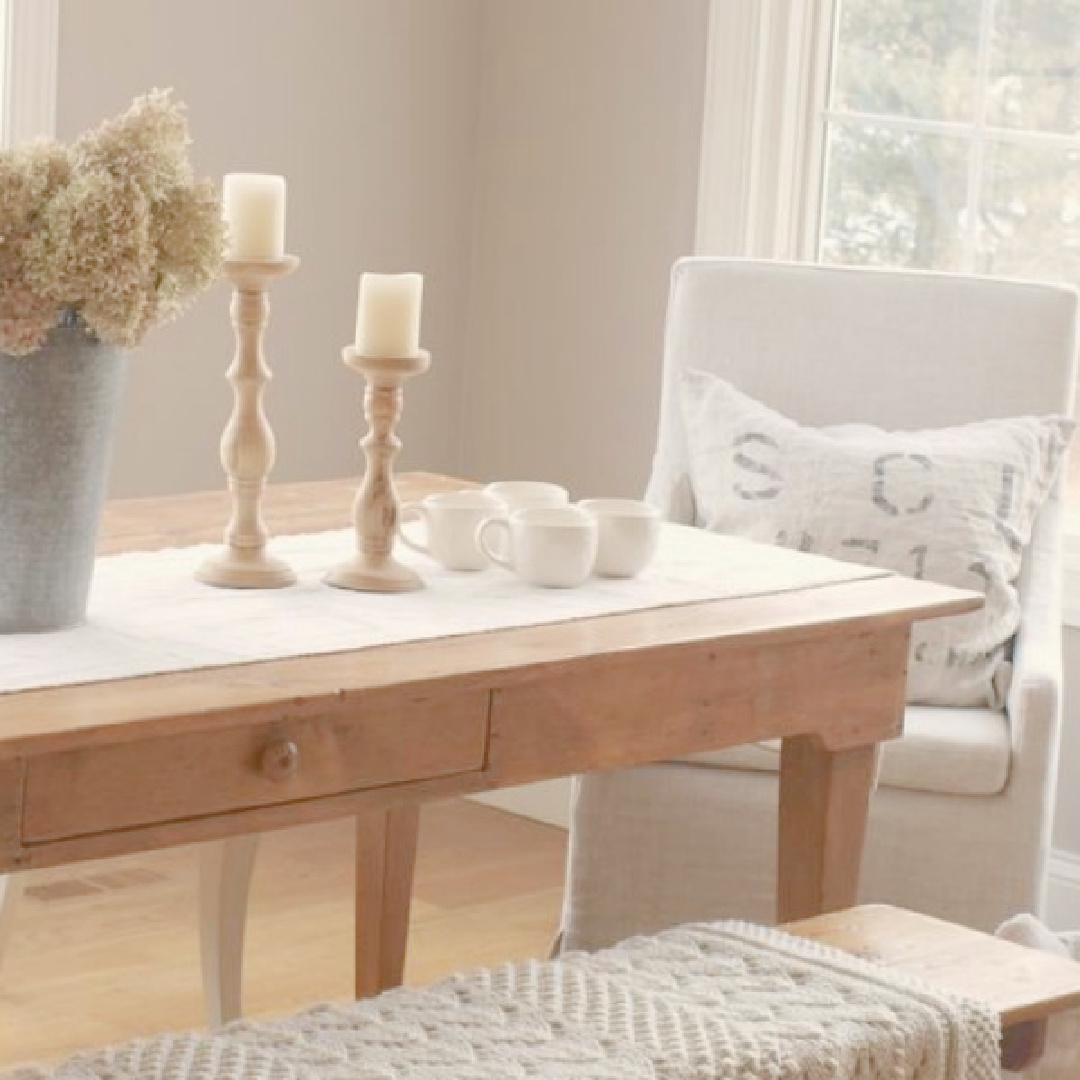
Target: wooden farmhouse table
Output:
[{"x": 128, "y": 765}]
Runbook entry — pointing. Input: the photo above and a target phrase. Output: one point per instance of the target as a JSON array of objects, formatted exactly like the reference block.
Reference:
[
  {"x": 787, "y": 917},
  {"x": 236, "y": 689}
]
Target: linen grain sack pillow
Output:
[{"x": 953, "y": 505}]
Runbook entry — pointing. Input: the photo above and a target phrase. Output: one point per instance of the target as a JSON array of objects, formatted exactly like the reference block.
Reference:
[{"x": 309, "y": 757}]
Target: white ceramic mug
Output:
[
  {"x": 552, "y": 546},
  {"x": 450, "y": 519},
  {"x": 519, "y": 494},
  {"x": 629, "y": 534}
]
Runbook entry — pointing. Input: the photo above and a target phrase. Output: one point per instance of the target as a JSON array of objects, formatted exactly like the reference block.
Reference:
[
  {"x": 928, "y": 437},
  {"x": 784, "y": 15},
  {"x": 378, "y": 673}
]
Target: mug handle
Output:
[
  {"x": 413, "y": 510},
  {"x": 482, "y": 531}
]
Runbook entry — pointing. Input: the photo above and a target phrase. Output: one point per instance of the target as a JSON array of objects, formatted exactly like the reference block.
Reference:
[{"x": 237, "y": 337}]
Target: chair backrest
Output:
[{"x": 899, "y": 349}]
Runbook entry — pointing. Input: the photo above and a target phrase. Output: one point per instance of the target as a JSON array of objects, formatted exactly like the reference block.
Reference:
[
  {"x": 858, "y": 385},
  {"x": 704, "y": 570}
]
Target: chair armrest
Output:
[{"x": 1034, "y": 700}]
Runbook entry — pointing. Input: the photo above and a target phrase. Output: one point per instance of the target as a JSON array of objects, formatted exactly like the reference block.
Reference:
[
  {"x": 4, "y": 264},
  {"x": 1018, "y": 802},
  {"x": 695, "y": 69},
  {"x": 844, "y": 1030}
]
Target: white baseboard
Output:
[
  {"x": 547, "y": 801},
  {"x": 1063, "y": 892}
]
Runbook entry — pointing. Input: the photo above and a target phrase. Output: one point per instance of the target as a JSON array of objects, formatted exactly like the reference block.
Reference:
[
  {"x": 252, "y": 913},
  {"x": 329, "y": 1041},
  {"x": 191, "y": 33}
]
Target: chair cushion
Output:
[
  {"x": 946, "y": 750},
  {"x": 954, "y": 505}
]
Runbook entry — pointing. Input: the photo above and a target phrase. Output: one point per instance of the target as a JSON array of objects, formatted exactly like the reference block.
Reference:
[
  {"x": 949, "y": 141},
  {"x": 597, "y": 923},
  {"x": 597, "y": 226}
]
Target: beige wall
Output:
[
  {"x": 587, "y": 183},
  {"x": 590, "y": 130},
  {"x": 369, "y": 108},
  {"x": 582, "y": 181}
]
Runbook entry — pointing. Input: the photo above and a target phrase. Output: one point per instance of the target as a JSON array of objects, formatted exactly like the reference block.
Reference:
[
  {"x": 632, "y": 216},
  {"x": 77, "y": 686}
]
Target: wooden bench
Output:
[
  {"x": 714, "y": 1000},
  {"x": 1026, "y": 986}
]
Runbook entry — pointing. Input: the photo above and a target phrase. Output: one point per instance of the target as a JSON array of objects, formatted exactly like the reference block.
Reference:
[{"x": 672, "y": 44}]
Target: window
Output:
[
  {"x": 942, "y": 134},
  {"x": 953, "y": 137}
]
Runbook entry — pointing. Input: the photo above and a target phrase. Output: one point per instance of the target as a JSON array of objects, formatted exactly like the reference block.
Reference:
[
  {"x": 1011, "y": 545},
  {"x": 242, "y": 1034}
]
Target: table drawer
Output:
[{"x": 102, "y": 788}]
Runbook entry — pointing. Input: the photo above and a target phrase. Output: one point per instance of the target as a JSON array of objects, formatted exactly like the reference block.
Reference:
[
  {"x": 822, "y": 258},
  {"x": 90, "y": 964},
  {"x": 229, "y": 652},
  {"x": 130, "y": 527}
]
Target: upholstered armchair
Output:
[{"x": 960, "y": 822}]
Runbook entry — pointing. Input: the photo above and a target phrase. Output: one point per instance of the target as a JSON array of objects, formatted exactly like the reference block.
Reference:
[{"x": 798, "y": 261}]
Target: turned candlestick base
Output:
[
  {"x": 376, "y": 510},
  {"x": 374, "y": 573},
  {"x": 232, "y": 569},
  {"x": 247, "y": 445}
]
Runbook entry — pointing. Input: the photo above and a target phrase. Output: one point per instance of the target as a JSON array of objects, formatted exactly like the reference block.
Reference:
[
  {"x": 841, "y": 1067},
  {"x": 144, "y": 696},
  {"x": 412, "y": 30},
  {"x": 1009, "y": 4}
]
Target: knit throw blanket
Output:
[{"x": 722, "y": 1001}]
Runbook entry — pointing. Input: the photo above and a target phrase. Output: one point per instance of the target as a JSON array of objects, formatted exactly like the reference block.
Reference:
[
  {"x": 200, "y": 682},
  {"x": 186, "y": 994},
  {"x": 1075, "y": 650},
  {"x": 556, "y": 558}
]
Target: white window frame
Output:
[
  {"x": 31, "y": 72},
  {"x": 762, "y": 151}
]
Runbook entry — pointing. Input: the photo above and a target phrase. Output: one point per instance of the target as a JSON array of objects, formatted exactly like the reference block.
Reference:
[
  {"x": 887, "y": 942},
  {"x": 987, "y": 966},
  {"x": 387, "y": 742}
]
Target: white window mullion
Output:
[
  {"x": 1020, "y": 136},
  {"x": 977, "y": 159},
  {"x": 814, "y": 215},
  {"x": 30, "y": 70},
  {"x": 901, "y": 122}
]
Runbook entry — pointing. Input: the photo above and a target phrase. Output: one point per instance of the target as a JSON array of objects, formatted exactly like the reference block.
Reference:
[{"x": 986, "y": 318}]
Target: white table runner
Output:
[{"x": 148, "y": 615}]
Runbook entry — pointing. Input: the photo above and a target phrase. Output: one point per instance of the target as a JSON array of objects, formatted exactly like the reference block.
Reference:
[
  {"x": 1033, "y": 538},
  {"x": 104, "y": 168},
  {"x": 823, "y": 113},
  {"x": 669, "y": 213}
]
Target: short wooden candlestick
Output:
[
  {"x": 375, "y": 512},
  {"x": 247, "y": 444}
]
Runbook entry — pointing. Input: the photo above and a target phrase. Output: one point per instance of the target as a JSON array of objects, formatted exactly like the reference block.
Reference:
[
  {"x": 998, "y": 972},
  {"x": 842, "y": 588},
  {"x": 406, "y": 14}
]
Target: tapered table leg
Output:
[
  {"x": 385, "y": 857},
  {"x": 824, "y": 802}
]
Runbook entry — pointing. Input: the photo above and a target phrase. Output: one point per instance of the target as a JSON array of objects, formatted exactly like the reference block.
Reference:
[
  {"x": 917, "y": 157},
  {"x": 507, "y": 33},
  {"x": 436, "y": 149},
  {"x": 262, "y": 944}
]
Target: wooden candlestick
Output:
[
  {"x": 247, "y": 444},
  {"x": 375, "y": 511}
]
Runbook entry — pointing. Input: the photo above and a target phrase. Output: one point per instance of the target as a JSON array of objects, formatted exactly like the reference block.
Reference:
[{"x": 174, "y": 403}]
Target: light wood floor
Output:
[{"x": 109, "y": 950}]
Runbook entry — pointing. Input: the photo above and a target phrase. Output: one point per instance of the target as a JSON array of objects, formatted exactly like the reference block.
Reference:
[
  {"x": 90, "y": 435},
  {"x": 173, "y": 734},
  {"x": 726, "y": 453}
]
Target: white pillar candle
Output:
[
  {"x": 388, "y": 314},
  {"x": 254, "y": 206}
]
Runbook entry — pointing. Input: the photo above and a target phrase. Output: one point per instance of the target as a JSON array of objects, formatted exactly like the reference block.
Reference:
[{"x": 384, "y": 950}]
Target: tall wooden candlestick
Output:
[
  {"x": 247, "y": 444},
  {"x": 375, "y": 512}
]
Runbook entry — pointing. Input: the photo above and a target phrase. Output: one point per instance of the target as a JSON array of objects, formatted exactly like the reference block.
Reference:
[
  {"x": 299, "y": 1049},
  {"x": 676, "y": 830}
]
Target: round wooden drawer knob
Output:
[{"x": 280, "y": 760}]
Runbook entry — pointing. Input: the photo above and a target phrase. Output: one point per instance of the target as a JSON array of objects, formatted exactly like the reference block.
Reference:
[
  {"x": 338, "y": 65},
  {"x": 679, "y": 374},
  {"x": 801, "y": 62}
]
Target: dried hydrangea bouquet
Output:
[{"x": 100, "y": 241}]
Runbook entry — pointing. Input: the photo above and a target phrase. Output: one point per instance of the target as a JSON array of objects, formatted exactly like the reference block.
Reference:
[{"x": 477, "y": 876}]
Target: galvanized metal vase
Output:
[{"x": 58, "y": 408}]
